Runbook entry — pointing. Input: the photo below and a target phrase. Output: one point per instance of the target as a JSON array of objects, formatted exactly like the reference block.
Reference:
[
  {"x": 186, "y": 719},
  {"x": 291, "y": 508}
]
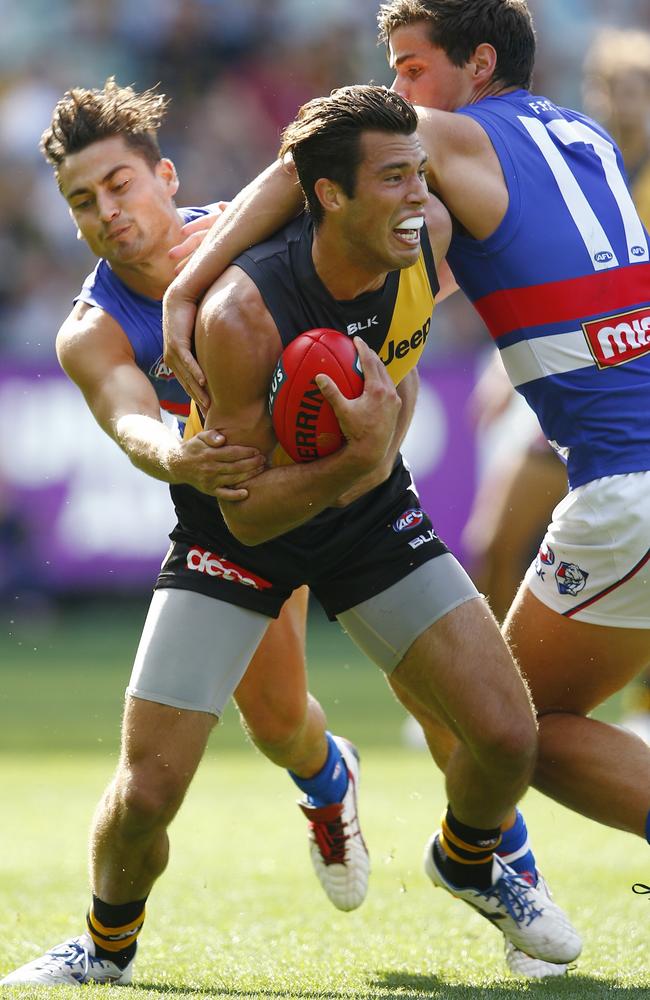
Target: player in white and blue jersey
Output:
[{"x": 549, "y": 247}]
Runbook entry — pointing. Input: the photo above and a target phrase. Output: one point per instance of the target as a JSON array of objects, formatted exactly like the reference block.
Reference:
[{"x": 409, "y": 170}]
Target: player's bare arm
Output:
[
  {"x": 463, "y": 170},
  {"x": 252, "y": 216},
  {"x": 238, "y": 345},
  {"x": 96, "y": 354},
  {"x": 193, "y": 233},
  {"x": 407, "y": 391}
]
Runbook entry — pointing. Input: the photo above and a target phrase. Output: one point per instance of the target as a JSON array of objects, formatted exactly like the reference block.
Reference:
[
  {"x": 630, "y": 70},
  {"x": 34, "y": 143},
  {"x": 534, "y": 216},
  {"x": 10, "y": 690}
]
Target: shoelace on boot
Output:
[
  {"x": 514, "y": 893},
  {"x": 331, "y": 838}
]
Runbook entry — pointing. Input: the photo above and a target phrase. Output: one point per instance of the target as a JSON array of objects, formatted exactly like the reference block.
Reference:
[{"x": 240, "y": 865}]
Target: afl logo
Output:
[
  {"x": 603, "y": 256},
  {"x": 637, "y": 251},
  {"x": 411, "y": 518},
  {"x": 160, "y": 370}
]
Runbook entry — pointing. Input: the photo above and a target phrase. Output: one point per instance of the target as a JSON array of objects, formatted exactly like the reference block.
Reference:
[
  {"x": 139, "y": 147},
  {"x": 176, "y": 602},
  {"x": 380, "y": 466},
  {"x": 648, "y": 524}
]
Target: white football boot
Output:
[
  {"x": 338, "y": 852},
  {"x": 527, "y": 917},
  {"x": 522, "y": 964},
  {"x": 71, "y": 963}
]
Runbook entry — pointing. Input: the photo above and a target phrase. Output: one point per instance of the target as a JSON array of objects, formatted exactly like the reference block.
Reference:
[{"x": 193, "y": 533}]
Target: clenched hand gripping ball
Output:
[{"x": 304, "y": 423}]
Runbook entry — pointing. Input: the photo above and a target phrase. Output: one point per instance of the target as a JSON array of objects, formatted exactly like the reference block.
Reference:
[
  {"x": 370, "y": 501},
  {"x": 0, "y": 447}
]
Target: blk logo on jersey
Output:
[
  {"x": 613, "y": 340},
  {"x": 354, "y": 328},
  {"x": 411, "y": 518},
  {"x": 570, "y": 578},
  {"x": 160, "y": 370},
  {"x": 428, "y": 536},
  {"x": 201, "y": 561}
]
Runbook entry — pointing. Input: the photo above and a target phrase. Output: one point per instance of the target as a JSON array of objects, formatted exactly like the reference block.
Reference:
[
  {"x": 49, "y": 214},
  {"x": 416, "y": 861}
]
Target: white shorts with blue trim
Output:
[{"x": 594, "y": 562}]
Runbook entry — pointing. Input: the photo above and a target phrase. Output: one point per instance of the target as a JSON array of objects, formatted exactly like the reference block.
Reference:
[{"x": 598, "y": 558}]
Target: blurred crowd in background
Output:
[{"x": 236, "y": 74}]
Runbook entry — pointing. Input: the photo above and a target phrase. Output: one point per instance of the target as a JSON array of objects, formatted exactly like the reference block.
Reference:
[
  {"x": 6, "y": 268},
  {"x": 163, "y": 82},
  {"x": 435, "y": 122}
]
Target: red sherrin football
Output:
[{"x": 304, "y": 423}]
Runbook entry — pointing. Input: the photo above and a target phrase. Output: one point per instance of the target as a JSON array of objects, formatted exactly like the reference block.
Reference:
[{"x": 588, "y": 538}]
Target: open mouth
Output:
[{"x": 408, "y": 231}]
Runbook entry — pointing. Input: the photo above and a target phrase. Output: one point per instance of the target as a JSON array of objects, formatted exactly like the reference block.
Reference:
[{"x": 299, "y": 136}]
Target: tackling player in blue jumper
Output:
[{"x": 120, "y": 191}]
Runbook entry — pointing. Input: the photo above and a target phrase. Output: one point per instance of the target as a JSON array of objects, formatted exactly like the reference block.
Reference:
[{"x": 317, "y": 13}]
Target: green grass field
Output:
[{"x": 238, "y": 912}]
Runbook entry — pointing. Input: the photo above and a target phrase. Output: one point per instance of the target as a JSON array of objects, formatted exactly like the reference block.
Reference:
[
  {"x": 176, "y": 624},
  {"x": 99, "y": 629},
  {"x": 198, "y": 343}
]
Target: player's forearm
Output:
[
  {"x": 150, "y": 446},
  {"x": 283, "y": 498},
  {"x": 407, "y": 391},
  {"x": 261, "y": 208}
]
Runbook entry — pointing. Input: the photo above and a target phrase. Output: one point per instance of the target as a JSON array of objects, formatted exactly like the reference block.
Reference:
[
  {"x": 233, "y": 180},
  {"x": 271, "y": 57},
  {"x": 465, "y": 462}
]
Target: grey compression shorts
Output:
[{"x": 194, "y": 649}]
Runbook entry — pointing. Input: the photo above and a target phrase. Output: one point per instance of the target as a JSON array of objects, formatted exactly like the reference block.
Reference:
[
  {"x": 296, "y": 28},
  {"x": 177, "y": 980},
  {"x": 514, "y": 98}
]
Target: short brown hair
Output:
[
  {"x": 325, "y": 137},
  {"x": 84, "y": 116},
  {"x": 459, "y": 26}
]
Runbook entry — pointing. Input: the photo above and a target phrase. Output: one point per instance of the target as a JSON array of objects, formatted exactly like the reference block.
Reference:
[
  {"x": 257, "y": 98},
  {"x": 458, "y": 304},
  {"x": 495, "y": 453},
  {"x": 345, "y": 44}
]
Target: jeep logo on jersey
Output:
[
  {"x": 411, "y": 518},
  {"x": 613, "y": 340},
  {"x": 354, "y": 328},
  {"x": 400, "y": 349},
  {"x": 201, "y": 561},
  {"x": 160, "y": 370}
]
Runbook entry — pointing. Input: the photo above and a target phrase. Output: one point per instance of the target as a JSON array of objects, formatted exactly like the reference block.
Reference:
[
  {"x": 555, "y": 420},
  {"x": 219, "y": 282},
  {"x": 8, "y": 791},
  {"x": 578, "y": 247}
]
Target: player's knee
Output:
[
  {"x": 275, "y": 735},
  {"x": 275, "y": 727},
  {"x": 147, "y": 797},
  {"x": 510, "y": 745}
]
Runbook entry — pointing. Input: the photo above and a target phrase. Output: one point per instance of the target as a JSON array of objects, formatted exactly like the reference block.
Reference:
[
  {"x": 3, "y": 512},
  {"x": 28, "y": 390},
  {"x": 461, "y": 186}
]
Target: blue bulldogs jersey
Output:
[
  {"x": 564, "y": 283},
  {"x": 141, "y": 319}
]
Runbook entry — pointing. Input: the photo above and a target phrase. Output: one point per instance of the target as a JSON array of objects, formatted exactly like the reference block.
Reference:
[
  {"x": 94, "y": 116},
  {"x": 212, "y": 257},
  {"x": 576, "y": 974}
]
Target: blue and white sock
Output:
[
  {"x": 330, "y": 783},
  {"x": 515, "y": 850}
]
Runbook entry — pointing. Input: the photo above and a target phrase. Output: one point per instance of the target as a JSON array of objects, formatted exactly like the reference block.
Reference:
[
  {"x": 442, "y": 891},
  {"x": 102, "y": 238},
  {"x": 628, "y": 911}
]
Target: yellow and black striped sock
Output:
[
  {"x": 464, "y": 853},
  {"x": 115, "y": 928}
]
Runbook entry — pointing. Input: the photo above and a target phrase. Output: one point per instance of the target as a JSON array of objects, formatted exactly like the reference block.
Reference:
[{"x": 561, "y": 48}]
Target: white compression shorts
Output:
[
  {"x": 194, "y": 650},
  {"x": 594, "y": 562}
]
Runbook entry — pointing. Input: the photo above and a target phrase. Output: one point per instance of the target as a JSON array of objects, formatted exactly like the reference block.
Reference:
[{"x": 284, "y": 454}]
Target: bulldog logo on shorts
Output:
[{"x": 570, "y": 578}]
